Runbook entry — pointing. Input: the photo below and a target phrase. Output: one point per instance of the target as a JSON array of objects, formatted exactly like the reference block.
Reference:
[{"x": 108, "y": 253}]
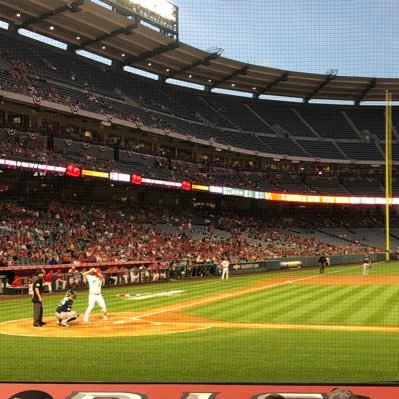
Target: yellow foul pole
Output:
[{"x": 388, "y": 168}]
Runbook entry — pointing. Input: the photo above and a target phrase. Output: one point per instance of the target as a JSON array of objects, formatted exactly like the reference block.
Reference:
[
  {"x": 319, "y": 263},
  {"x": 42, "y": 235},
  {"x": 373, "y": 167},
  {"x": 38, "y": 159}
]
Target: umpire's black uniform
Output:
[
  {"x": 37, "y": 288},
  {"x": 322, "y": 263}
]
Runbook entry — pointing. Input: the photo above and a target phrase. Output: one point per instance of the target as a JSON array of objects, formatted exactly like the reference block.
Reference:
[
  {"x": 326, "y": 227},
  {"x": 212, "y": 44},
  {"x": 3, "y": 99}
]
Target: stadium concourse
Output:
[{"x": 21, "y": 145}]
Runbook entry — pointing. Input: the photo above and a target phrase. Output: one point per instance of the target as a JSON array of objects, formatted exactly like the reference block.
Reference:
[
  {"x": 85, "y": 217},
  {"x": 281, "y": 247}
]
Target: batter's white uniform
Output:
[
  {"x": 95, "y": 296},
  {"x": 225, "y": 269}
]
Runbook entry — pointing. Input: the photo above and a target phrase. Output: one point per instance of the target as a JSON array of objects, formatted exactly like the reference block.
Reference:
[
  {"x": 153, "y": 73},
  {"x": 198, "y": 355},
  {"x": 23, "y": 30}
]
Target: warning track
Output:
[{"x": 167, "y": 320}]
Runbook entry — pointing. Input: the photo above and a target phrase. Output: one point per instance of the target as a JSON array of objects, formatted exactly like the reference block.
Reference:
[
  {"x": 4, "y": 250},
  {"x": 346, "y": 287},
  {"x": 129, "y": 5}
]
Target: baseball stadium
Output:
[{"x": 199, "y": 199}]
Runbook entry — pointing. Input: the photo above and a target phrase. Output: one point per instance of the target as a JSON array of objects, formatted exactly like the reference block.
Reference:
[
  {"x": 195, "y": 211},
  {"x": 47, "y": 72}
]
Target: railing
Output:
[
  {"x": 143, "y": 272},
  {"x": 129, "y": 273}
]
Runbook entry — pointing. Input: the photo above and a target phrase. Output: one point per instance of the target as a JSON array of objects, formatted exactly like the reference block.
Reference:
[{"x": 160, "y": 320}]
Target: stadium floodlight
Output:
[
  {"x": 161, "y": 7},
  {"x": 160, "y": 14}
]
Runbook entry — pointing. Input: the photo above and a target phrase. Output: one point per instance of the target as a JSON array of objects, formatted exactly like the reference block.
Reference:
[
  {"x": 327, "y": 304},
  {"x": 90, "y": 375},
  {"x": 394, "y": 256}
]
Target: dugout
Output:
[{"x": 174, "y": 270}]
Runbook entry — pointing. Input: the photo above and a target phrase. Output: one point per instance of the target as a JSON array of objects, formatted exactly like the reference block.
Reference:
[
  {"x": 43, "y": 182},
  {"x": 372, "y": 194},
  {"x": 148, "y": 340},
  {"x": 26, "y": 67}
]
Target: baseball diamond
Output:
[
  {"x": 330, "y": 319},
  {"x": 167, "y": 320},
  {"x": 196, "y": 193}
]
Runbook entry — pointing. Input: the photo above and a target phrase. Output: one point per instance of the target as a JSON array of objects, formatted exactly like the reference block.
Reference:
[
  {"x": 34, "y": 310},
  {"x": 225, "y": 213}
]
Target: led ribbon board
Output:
[{"x": 32, "y": 166}]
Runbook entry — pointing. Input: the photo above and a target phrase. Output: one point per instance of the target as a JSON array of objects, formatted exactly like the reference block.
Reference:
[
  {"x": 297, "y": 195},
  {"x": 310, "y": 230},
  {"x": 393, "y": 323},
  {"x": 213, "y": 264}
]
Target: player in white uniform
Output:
[
  {"x": 366, "y": 265},
  {"x": 225, "y": 268},
  {"x": 95, "y": 279}
]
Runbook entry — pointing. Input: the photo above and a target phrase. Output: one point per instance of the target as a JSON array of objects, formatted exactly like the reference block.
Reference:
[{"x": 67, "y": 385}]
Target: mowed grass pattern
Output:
[
  {"x": 226, "y": 355},
  {"x": 313, "y": 304}
]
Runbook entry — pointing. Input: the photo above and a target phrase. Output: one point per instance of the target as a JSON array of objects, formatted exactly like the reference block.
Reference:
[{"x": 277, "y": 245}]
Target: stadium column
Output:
[
  {"x": 117, "y": 144},
  {"x": 50, "y": 139}
]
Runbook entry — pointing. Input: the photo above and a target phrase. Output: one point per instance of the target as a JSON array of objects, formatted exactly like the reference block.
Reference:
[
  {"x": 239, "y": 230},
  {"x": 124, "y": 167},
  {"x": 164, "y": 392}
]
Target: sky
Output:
[
  {"x": 350, "y": 37},
  {"x": 354, "y": 37}
]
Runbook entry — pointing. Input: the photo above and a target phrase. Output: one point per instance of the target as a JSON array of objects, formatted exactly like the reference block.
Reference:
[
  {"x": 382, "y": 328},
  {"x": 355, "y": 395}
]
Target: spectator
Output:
[
  {"x": 60, "y": 280},
  {"x": 17, "y": 282},
  {"x": 48, "y": 281},
  {"x": 74, "y": 276}
]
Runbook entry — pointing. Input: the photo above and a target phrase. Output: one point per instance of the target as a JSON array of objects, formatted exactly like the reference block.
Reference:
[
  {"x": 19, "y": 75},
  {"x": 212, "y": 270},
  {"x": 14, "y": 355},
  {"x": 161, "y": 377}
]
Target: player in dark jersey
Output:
[
  {"x": 64, "y": 312},
  {"x": 322, "y": 263},
  {"x": 37, "y": 299}
]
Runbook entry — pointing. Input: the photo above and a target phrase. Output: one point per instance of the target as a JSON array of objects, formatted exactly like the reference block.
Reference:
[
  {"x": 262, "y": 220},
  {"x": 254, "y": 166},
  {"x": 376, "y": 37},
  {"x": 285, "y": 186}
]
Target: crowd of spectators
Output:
[
  {"x": 31, "y": 146},
  {"x": 21, "y": 76},
  {"x": 24, "y": 77},
  {"x": 100, "y": 235},
  {"x": 65, "y": 233}
]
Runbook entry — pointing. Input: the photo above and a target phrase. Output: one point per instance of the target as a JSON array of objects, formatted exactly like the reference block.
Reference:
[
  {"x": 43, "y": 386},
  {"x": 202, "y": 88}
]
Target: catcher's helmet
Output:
[{"x": 71, "y": 293}]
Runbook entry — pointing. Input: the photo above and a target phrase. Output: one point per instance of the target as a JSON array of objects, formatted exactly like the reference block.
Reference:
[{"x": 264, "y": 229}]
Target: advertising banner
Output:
[
  {"x": 184, "y": 391},
  {"x": 247, "y": 267}
]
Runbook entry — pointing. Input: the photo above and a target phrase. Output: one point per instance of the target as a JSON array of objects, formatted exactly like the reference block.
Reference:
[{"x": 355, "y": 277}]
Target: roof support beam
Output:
[
  {"x": 371, "y": 85},
  {"x": 241, "y": 71},
  {"x": 126, "y": 31},
  {"x": 72, "y": 7},
  {"x": 204, "y": 61},
  {"x": 149, "y": 54},
  {"x": 281, "y": 78},
  {"x": 331, "y": 75}
]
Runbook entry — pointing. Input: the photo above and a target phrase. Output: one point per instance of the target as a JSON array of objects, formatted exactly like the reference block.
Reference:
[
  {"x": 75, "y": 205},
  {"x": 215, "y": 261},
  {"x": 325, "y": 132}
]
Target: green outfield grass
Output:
[{"x": 213, "y": 355}]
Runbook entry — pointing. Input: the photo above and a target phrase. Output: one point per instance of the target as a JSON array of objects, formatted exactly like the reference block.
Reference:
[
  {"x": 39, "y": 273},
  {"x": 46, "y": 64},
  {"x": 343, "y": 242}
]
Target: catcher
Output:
[{"x": 64, "y": 312}]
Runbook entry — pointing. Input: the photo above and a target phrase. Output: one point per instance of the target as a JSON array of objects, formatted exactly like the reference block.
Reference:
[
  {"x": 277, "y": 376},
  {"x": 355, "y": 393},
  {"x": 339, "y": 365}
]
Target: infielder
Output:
[
  {"x": 64, "y": 312},
  {"x": 366, "y": 265},
  {"x": 225, "y": 268},
  {"x": 95, "y": 280}
]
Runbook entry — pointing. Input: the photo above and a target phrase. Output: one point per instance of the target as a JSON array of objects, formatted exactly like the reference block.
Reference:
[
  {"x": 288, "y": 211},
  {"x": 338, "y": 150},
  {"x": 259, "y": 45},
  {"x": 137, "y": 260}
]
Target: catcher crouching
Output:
[{"x": 64, "y": 312}]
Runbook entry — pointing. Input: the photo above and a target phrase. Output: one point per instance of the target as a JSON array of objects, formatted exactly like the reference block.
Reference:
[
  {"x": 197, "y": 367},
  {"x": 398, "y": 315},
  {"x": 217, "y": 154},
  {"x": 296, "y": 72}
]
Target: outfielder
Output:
[
  {"x": 64, "y": 312},
  {"x": 95, "y": 279},
  {"x": 366, "y": 265}
]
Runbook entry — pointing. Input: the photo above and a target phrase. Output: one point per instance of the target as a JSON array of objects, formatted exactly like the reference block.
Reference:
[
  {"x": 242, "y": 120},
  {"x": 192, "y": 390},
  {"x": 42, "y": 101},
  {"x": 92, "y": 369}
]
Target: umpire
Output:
[
  {"x": 322, "y": 263},
  {"x": 37, "y": 298}
]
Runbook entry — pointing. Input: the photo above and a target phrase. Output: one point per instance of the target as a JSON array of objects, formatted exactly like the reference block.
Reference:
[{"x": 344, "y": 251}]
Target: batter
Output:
[{"x": 95, "y": 279}]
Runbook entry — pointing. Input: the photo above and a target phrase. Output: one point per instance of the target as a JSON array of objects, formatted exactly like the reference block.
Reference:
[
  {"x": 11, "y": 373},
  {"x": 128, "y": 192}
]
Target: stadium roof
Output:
[{"x": 82, "y": 24}]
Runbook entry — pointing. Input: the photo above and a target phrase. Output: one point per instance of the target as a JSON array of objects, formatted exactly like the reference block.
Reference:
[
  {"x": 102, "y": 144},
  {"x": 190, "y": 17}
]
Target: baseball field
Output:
[{"x": 281, "y": 327}]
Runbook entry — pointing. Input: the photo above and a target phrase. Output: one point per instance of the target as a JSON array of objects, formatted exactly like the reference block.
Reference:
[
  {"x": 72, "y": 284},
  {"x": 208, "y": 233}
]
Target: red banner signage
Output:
[{"x": 182, "y": 391}]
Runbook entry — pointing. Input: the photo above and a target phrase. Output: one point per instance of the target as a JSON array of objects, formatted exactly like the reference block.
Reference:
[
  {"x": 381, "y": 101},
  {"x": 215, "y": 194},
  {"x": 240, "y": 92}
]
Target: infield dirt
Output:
[{"x": 167, "y": 320}]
